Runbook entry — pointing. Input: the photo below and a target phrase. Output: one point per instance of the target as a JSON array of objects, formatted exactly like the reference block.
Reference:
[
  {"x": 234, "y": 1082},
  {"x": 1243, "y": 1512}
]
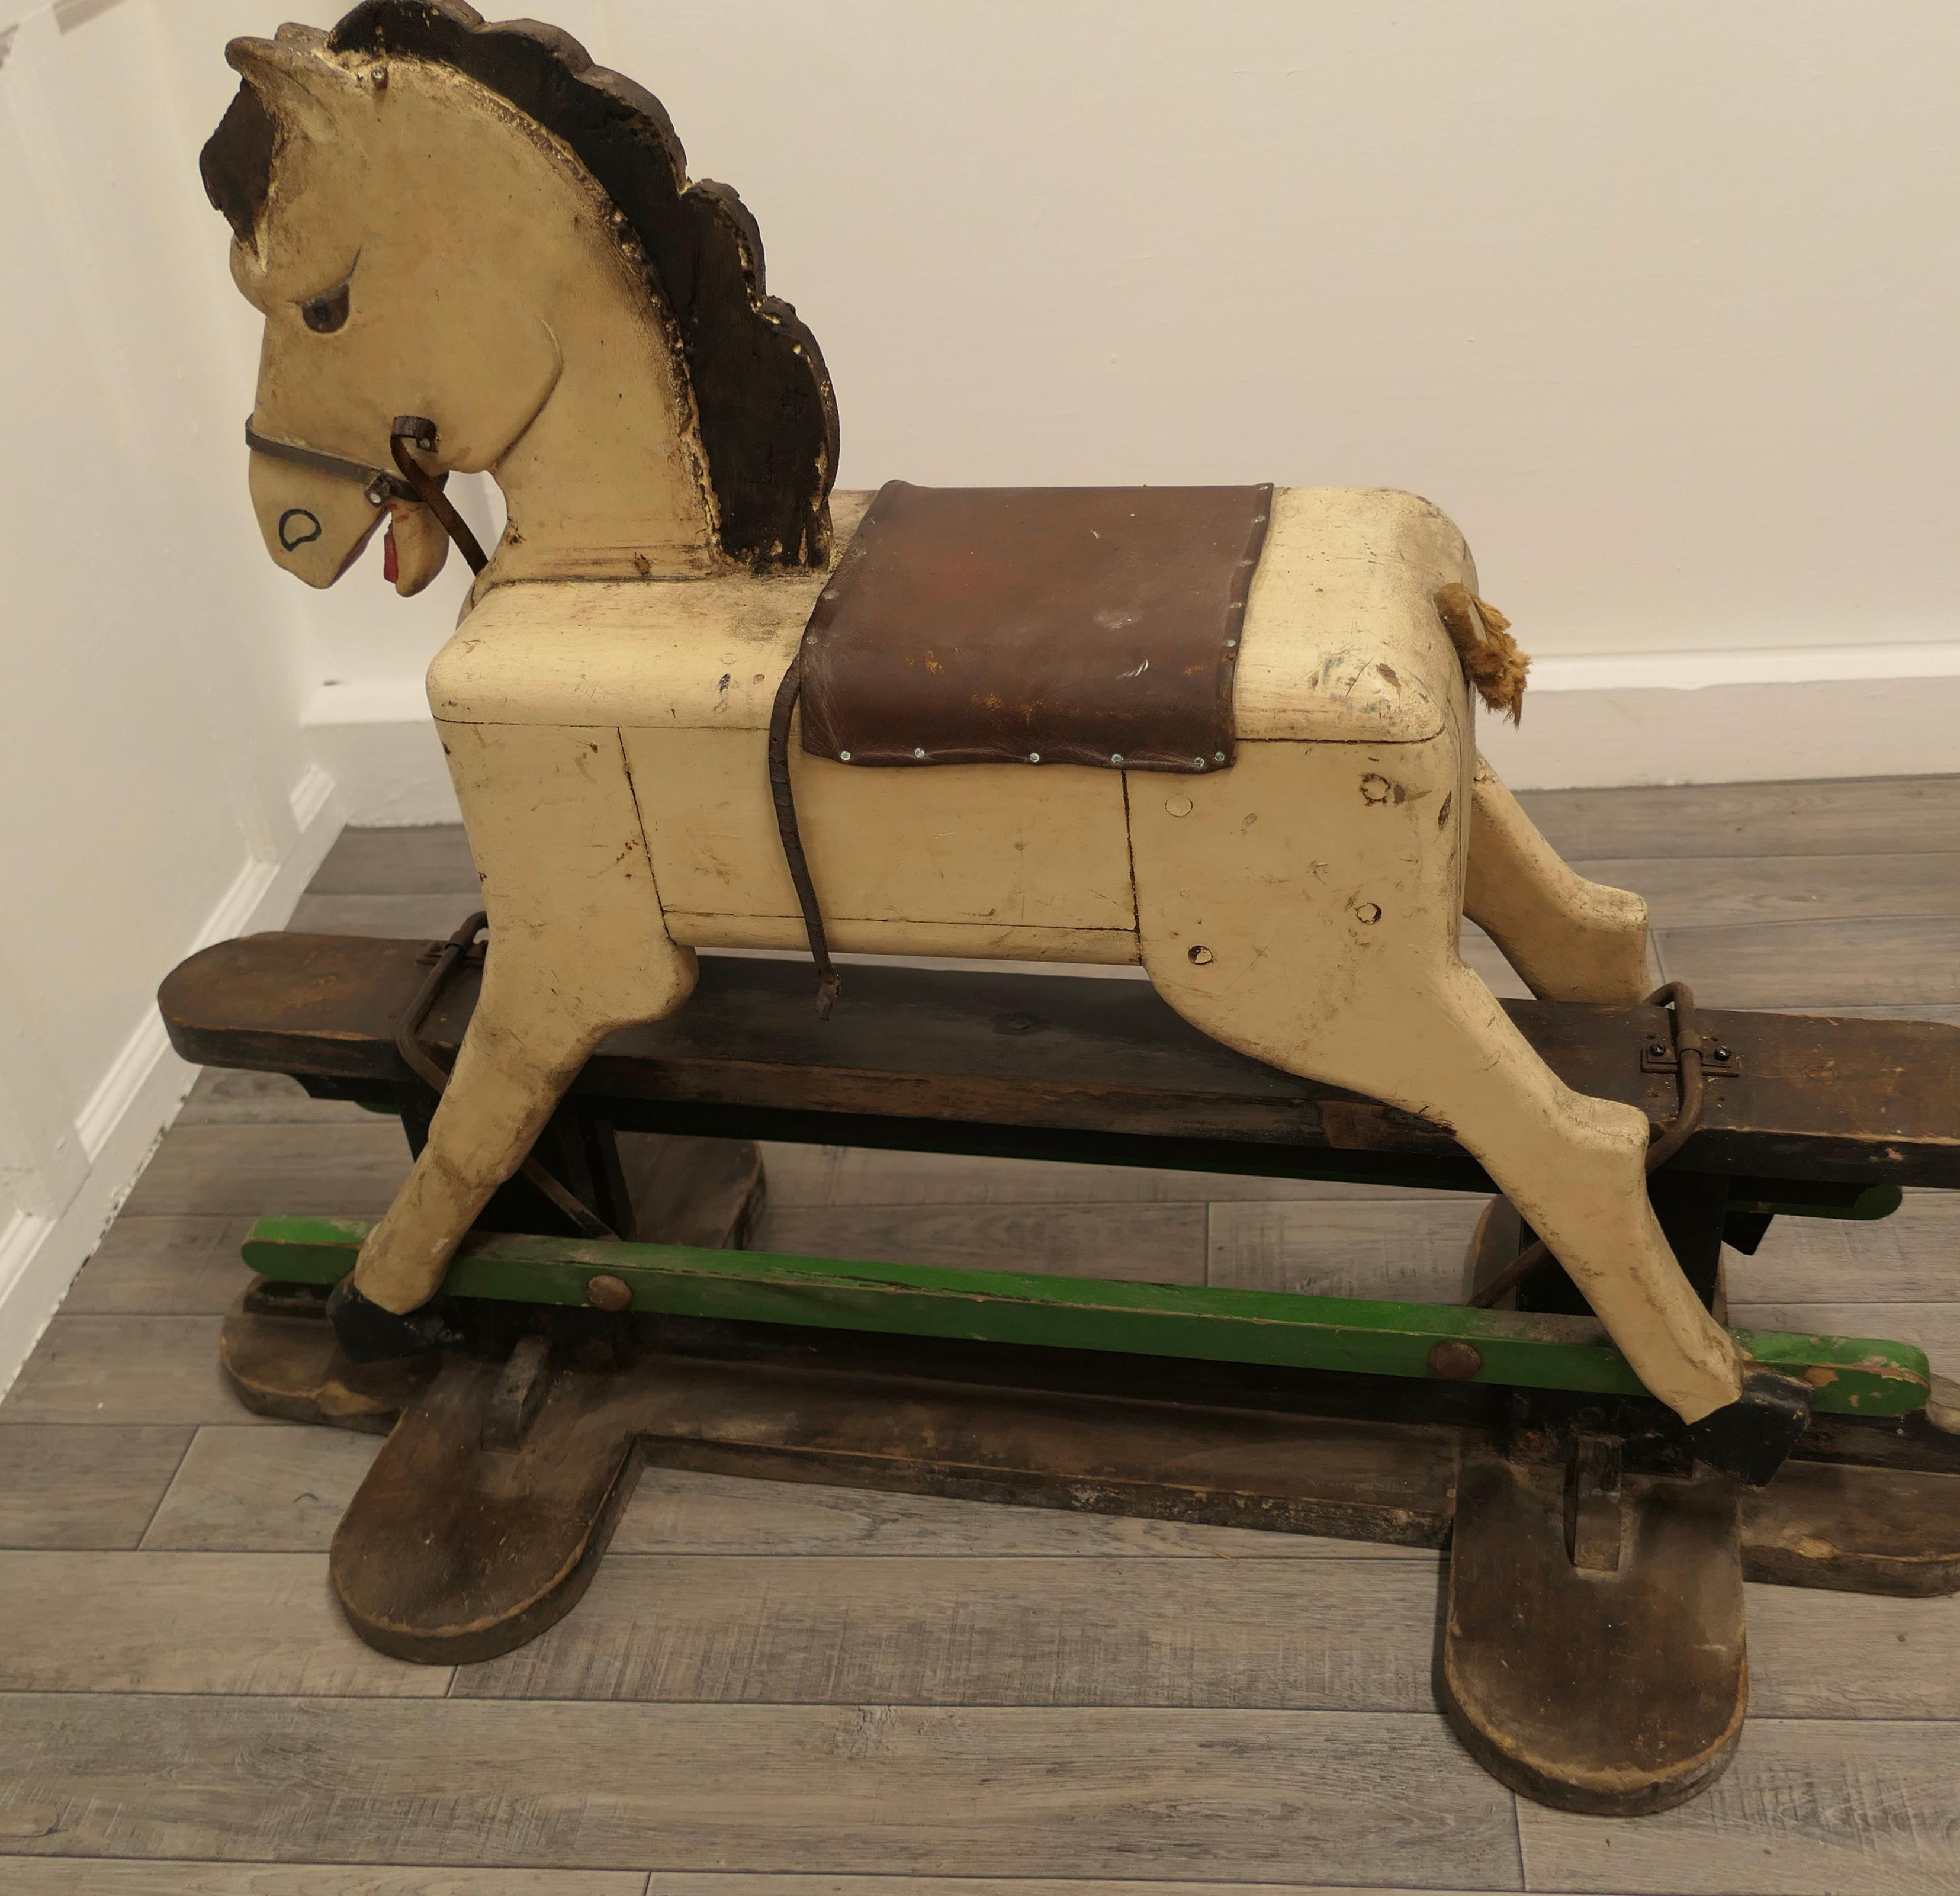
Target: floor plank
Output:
[
  {"x": 1851, "y": 1656},
  {"x": 1413, "y": 1250},
  {"x": 1709, "y": 891},
  {"x": 266, "y": 1488},
  {"x": 205, "y": 1622},
  {"x": 64, "y": 1487},
  {"x": 830, "y": 1176},
  {"x": 1816, "y": 965},
  {"x": 1245, "y": 1633},
  {"x": 677, "y": 1511},
  {"x": 1809, "y": 1808},
  {"x": 248, "y": 1171},
  {"x": 414, "y": 917},
  {"x": 1912, "y": 1257},
  {"x": 428, "y": 859},
  {"x": 666, "y": 1884},
  {"x": 1153, "y": 1243},
  {"x": 125, "y": 1369},
  {"x": 284, "y": 1490},
  {"x": 977, "y": 1791},
  {"x": 1843, "y": 817},
  {"x": 222, "y": 1098},
  {"x": 183, "y": 1265},
  {"x": 101, "y": 1876}
]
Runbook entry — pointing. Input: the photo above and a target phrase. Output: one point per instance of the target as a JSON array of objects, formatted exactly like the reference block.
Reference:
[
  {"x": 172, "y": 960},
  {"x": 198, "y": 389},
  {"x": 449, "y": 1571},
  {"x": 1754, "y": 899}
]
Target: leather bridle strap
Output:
[
  {"x": 412, "y": 483},
  {"x": 828, "y": 981},
  {"x": 377, "y": 483}
]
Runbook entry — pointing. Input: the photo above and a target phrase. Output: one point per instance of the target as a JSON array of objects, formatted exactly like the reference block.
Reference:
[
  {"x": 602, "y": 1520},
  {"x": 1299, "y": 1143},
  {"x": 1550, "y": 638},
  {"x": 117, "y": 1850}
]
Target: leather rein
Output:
[{"x": 412, "y": 483}]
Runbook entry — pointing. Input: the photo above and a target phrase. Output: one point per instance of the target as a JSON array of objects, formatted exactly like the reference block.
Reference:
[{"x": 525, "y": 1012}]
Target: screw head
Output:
[
  {"x": 1034, "y": 756},
  {"x": 844, "y": 757},
  {"x": 605, "y": 1292},
  {"x": 1201, "y": 955},
  {"x": 916, "y": 752},
  {"x": 1455, "y": 1361},
  {"x": 1115, "y": 757}
]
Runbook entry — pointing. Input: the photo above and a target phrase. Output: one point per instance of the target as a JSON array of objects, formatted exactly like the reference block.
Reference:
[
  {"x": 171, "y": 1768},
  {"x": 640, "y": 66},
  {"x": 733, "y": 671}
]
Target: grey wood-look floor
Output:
[{"x": 791, "y": 1692}]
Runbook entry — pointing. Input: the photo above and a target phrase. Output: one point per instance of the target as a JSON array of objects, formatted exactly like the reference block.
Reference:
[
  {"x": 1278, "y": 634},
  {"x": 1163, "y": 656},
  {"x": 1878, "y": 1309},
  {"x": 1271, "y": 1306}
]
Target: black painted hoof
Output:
[
  {"x": 1750, "y": 1438},
  {"x": 367, "y": 1333}
]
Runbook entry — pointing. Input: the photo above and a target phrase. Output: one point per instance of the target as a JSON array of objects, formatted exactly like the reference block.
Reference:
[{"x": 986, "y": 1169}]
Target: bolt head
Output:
[
  {"x": 1455, "y": 1361},
  {"x": 605, "y": 1292}
]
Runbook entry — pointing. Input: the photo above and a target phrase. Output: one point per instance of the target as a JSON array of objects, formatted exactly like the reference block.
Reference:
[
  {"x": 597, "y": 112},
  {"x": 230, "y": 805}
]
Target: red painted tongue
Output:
[{"x": 391, "y": 567}]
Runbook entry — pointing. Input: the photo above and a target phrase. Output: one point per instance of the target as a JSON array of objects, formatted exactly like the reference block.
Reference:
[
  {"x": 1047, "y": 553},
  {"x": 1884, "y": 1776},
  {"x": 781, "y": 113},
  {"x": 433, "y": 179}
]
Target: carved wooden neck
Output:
[{"x": 606, "y": 483}]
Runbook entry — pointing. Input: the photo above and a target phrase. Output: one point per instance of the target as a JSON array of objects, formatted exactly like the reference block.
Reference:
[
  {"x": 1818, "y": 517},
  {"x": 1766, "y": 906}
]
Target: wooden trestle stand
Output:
[{"x": 1593, "y": 1653}]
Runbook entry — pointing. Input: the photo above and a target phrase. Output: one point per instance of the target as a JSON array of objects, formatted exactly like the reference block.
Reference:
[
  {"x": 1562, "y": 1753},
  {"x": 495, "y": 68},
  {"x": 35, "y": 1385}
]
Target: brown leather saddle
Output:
[{"x": 1094, "y": 626}]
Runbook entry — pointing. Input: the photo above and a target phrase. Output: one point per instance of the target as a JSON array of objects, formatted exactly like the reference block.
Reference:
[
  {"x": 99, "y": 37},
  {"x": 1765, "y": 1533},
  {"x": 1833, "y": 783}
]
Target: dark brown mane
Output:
[{"x": 761, "y": 394}]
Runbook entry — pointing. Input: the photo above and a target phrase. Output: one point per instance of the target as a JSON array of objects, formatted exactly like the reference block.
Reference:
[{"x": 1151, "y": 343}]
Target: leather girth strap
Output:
[{"x": 1098, "y": 627}]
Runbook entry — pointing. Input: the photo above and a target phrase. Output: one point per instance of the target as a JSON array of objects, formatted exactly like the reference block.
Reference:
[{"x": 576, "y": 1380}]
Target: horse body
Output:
[{"x": 604, "y": 703}]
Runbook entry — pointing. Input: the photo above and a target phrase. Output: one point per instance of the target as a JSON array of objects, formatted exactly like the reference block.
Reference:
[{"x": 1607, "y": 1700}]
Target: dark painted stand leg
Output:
[
  {"x": 1593, "y": 1653},
  {"x": 1616, "y": 1687},
  {"x": 483, "y": 1520}
]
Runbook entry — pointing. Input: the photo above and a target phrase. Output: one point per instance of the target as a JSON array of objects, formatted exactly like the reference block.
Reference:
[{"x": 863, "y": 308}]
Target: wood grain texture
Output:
[
  {"x": 1282, "y": 1635},
  {"x": 203, "y": 1623},
  {"x": 1887, "y": 815},
  {"x": 101, "y": 1876},
  {"x": 262, "y": 1488},
  {"x": 1852, "y": 1655},
  {"x": 1221, "y": 1797},
  {"x": 64, "y": 1487},
  {"x": 678, "y": 1511},
  {"x": 1709, "y": 892},
  {"x": 183, "y": 1265},
  {"x": 1413, "y": 1252},
  {"x": 1912, "y": 1257},
  {"x": 1153, "y": 1243},
  {"x": 125, "y": 1369},
  {"x": 241, "y": 1171},
  {"x": 1813, "y": 1807},
  {"x": 283, "y": 1489},
  {"x": 428, "y": 859},
  {"x": 1816, "y": 966},
  {"x": 222, "y": 1098},
  {"x": 665, "y": 1883}
]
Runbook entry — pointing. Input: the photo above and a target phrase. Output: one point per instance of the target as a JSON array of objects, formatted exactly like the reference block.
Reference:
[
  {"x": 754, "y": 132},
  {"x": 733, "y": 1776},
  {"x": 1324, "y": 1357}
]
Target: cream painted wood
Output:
[
  {"x": 606, "y": 731},
  {"x": 491, "y": 296},
  {"x": 1297, "y": 907},
  {"x": 579, "y": 950},
  {"x": 1572, "y": 939}
]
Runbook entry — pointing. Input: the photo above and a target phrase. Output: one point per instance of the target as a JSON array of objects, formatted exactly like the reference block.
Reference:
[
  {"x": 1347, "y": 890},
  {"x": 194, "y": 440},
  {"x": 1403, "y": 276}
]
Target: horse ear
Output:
[{"x": 297, "y": 88}]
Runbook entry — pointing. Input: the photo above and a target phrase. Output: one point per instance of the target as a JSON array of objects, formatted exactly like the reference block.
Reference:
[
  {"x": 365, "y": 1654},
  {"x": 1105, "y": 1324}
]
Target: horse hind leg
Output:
[{"x": 1571, "y": 939}]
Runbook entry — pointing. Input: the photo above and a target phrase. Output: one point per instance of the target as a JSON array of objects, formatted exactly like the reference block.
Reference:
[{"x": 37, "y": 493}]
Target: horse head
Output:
[{"x": 474, "y": 226}]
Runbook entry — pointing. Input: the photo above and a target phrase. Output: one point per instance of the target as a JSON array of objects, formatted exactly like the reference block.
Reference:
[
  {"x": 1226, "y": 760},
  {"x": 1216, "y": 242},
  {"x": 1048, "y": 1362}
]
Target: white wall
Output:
[
  {"x": 1656, "y": 302},
  {"x": 155, "y": 792}
]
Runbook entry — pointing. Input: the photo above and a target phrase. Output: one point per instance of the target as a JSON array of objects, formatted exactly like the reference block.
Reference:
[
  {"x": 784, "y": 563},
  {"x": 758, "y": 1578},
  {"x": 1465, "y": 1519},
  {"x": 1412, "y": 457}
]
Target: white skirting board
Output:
[
  {"x": 1758, "y": 716},
  {"x": 128, "y": 1113}
]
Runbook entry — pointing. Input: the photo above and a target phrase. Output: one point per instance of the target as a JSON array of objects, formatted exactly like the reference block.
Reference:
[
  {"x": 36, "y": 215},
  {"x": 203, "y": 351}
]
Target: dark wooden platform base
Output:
[{"x": 1593, "y": 1655}]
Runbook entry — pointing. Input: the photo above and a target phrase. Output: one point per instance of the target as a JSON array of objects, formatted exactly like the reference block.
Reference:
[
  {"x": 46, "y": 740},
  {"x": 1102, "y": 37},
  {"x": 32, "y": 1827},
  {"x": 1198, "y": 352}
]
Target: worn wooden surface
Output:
[{"x": 1093, "y": 1702}]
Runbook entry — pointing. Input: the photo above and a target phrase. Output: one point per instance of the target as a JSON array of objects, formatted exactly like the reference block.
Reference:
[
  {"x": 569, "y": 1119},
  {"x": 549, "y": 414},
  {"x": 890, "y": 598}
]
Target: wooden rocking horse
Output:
[{"x": 1224, "y": 732}]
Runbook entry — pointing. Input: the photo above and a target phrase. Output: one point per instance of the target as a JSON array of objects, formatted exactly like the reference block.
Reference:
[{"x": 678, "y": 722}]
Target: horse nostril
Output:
[{"x": 297, "y": 527}]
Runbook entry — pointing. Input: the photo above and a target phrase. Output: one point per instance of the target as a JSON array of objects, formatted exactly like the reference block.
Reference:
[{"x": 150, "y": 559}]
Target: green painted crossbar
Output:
[{"x": 1848, "y": 1375}]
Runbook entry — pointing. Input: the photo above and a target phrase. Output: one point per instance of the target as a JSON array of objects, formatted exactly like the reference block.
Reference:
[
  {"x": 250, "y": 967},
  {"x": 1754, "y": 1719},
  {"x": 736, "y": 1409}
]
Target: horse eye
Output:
[{"x": 324, "y": 314}]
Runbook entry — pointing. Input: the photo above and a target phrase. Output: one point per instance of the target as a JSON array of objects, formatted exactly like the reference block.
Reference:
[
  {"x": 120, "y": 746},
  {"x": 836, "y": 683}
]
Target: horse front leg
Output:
[{"x": 578, "y": 947}]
